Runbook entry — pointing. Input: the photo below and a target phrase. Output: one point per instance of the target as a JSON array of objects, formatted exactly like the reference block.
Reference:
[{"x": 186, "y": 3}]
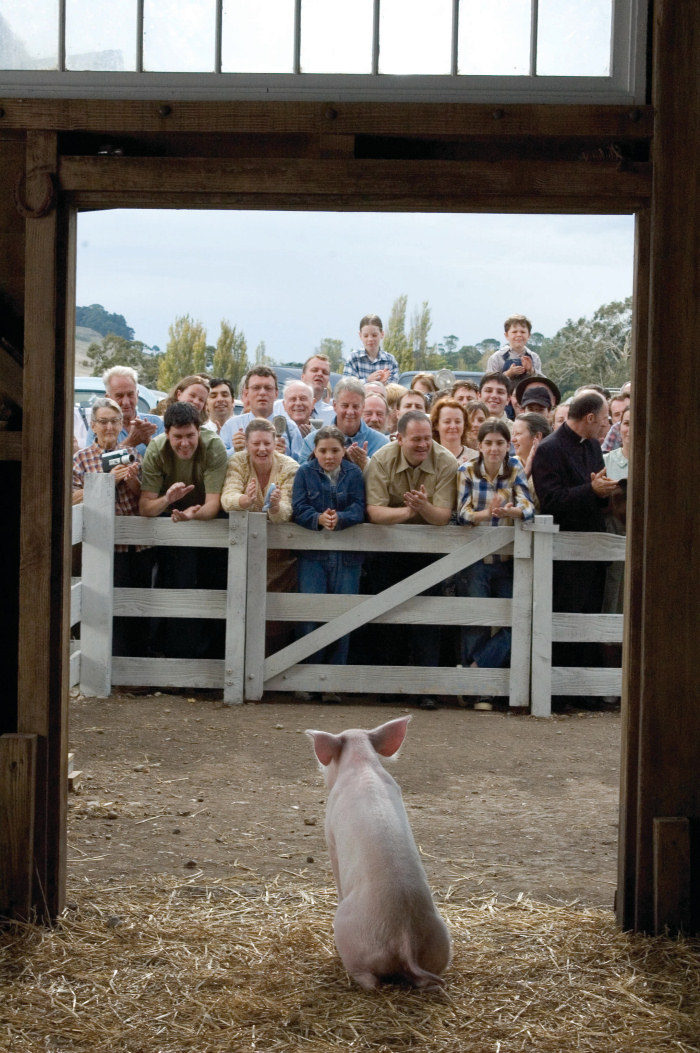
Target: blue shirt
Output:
[
  {"x": 141, "y": 448},
  {"x": 293, "y": 437},
  {"x": 360, "y": 365},
  {"x": 364, "y": 434}
]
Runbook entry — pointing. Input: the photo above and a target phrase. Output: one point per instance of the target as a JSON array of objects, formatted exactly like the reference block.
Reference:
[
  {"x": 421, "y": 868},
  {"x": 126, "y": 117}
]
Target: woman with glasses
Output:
[{"x": 132, "y": 565}]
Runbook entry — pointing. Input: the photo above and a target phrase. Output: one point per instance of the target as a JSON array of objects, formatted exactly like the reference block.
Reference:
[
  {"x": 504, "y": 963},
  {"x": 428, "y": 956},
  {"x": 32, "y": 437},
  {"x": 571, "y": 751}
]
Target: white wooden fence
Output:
[{"x": 246, "y": 605}]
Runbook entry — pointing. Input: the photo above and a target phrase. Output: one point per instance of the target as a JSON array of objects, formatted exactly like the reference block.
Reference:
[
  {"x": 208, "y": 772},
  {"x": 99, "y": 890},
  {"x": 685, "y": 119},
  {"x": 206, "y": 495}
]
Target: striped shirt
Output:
[
  {"x": 88, "y": 461},
  {"x": 360, "y": 365},
  {"x": 475, "y": 492}
]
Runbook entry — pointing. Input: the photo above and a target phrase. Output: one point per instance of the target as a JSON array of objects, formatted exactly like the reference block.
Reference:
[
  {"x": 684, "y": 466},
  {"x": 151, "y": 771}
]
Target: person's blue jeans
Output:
[
  {"x": 332, "y": 576},
  {"x": 491, "y": 581}
]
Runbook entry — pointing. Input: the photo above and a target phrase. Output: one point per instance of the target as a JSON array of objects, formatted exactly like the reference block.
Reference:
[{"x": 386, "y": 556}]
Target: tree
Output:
[
  {"x": 261, "y": 356},
  {"x": 95, "y": 317},
  {"x": 185, "y": 352},
  {"x": 115, "y": 350},
  {"x": 395, "y": 339},
  {"x": 592, "y": 350},
  {"x": 334, "y": 349},
  {"x": 230, "y": 359},
  {"x": 418, "y": 337}
]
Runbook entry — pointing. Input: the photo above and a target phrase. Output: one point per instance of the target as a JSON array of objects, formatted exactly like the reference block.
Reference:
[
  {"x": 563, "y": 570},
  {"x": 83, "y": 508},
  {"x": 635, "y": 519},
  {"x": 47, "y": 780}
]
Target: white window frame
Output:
[{"x": 625, "y": 84}]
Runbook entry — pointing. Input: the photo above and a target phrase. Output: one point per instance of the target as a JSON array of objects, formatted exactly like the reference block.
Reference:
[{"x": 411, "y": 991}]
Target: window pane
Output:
[
  {"x": 258, "y": 37},
  {"x": 336, "y": 36},
  {"x": 415, "y": 36},
  {"x": 494, "y": 38},
  {"x": 573, "y": 38},
  {"x": 29, "y": 34},
  {"x": 101, "y": 36},
  {"x": 179, "y": 35}
]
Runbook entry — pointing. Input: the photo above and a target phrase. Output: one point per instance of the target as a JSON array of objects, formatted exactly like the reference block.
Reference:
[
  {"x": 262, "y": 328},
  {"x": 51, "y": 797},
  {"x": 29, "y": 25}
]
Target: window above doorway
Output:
[{"x": 403, "y": 50}]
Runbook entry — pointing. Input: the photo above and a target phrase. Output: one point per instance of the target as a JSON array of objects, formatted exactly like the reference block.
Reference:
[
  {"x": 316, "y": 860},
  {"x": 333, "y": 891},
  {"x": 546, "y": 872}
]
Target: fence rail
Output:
[{"x": 246, "y": 606}]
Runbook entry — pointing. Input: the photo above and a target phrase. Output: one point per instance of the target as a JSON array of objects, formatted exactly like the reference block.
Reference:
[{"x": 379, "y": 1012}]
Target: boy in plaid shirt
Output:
[{"x": 372, "y": 363}]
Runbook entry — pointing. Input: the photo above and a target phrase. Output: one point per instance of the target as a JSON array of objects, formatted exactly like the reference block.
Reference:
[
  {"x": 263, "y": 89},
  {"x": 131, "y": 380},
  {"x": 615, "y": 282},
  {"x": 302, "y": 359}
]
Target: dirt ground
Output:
[{"x": 182, "y": 785}]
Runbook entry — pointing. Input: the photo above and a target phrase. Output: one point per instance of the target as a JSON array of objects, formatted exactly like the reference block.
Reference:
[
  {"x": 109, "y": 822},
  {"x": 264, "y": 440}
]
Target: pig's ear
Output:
[
  {"x": 387, "y": 738},
  {"x": 326, "y": 746}
]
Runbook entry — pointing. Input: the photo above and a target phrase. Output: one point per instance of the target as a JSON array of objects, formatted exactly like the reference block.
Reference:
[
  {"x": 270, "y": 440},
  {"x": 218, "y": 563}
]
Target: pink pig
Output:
[{"x": 386, "y": 925}]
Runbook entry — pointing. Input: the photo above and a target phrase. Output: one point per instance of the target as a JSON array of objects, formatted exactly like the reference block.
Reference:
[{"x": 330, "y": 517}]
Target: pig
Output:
[{"x": 386, "y": 927}]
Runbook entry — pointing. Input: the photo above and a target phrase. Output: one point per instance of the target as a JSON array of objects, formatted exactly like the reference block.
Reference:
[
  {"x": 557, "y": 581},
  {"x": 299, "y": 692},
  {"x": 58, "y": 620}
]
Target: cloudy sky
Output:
[{"x": 291, "y": 279}]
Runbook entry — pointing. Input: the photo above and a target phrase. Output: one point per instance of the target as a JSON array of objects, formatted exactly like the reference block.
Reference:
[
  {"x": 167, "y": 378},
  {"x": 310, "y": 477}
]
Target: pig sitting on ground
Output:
[{"x": 386, "y": 925}]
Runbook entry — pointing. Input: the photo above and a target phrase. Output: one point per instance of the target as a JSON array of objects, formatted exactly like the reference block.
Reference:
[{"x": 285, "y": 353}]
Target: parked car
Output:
[
  {"x": 86, "y": 389},
  {"x": 458, "y": 374}
]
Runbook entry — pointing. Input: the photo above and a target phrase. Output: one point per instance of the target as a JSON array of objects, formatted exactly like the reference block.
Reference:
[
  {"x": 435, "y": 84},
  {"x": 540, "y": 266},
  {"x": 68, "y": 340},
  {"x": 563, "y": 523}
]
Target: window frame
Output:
[{"x": 625, "y": 84}]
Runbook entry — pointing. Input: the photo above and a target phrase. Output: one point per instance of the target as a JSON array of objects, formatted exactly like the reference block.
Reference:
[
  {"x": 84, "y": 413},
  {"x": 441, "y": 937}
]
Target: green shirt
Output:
[{"x": 206, "y": 469}]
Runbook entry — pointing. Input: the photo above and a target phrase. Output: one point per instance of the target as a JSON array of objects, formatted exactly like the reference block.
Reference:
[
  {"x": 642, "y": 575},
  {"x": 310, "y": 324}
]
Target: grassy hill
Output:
[{"x": 83, "y": 338}]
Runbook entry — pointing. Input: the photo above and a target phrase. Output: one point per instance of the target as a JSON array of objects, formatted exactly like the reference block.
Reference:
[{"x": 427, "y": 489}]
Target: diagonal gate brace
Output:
[{"x": 374, "y": 606}]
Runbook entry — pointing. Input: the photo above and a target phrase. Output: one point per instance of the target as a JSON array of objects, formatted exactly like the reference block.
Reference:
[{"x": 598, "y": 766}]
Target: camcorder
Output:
[{"x": 114, "y": 457}]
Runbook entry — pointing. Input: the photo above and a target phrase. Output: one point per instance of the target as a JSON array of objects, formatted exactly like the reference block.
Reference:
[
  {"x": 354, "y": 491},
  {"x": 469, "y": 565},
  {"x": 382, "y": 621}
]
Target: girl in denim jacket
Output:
[{"x": 329, "y": 494}]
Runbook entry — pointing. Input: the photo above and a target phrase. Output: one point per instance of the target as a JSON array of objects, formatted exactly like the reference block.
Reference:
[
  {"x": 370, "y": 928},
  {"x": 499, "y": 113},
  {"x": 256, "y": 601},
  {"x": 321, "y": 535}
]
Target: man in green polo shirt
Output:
[{"x": 182, "y": 476}]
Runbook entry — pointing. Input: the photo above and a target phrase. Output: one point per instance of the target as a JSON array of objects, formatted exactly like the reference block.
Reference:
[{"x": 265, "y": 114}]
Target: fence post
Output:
[
  {"x": 97, "y": 592},
  {"x": 256, "y": 605},
  {"x": 521, "y": 618},
  {"x": 542, "y": 563},
  {"x": 234, "y": 648}
]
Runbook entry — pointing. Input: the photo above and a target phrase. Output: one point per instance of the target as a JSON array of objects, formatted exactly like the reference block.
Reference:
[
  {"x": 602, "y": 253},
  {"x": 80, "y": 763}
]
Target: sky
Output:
[{"x": 292, "y": 278}]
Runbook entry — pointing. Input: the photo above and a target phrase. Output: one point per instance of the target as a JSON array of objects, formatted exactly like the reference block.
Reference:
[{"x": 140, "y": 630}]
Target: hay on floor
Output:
[{"x": 172, "y": 967}]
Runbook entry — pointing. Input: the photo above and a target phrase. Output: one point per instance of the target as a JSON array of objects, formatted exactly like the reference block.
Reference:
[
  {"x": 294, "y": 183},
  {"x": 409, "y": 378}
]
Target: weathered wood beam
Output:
[
  {"x": 10, "y": 376},
  {"x": 43, "y": 659},
  {"x": 366, "y": 180},
  {"x": 380, "y": 118},
  {"x": 668, "y": 582},
  {"x": 17, "y": 788}
]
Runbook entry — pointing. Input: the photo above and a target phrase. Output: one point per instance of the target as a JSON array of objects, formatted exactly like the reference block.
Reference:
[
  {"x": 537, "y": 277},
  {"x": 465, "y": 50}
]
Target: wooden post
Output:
[
  {"x": 98, "y": 586},
  {"x": 542, "y": 568},
  {"x": 671, "y": 875},
  {"x": 235, "y": 646},
  {"x": 17, "y": 789},
  {"x": 521, "y": 618},
  {"x": 669, "y": 717},
  {"x": 256, "y": 605},
  {"x": 634, "y": 569},
  {"x": 44, "y": 583}
]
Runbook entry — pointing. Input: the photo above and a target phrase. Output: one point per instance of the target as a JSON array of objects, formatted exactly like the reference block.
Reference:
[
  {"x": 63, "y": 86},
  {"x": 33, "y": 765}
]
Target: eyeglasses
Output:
[{"x": 111, "y": 421}]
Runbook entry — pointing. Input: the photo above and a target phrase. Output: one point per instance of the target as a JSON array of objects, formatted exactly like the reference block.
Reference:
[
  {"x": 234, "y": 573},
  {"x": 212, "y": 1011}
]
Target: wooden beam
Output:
[
  {"x": 634, "y": 573},
  {"x": 10, "y": 376},
  {"x": 362, "y": 180},
  {"x": 432, "y": 120},
  {"x": 671, "y": 875},
  {"x": 17, "y": 788},
  {"x": 10, "y": 445},
  {"x": 669, "y": 580},
  {"x": 43, "y": 659}
]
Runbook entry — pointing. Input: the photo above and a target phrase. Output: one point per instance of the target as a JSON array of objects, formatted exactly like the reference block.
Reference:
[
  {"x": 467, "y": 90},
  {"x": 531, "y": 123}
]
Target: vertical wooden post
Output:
[
  {"x": 669, "y": 717},
  {"x": 634, "y": 564},
  {"x": 17, "y": 793},
  {"x": 256, "y": 605},
  {"x": 98, "y": 586},
  {"x": 671, "y": 875},
  {"x": 542, "y": 567},
  {"x": 521, "y": 618},
  {"x": 234, "y": 648},
  {"x": 44, "y": 591}
]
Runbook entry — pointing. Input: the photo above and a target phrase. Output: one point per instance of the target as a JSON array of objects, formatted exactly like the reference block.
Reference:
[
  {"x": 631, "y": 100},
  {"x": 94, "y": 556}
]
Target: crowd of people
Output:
[{"x": 488, "y": 452}]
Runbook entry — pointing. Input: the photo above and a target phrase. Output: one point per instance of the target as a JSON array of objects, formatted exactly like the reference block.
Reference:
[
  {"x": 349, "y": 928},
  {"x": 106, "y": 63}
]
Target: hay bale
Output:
[{"x": 173, "y": 966}]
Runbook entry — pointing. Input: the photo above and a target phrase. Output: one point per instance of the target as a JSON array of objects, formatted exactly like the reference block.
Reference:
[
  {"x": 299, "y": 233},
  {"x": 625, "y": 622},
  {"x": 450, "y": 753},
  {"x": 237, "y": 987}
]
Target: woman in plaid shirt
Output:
[{"x": 492, "y": 489}]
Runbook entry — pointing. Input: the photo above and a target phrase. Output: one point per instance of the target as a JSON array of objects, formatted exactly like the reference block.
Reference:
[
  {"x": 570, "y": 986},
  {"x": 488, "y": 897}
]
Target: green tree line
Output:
[{"x": 594, "y": 349}]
